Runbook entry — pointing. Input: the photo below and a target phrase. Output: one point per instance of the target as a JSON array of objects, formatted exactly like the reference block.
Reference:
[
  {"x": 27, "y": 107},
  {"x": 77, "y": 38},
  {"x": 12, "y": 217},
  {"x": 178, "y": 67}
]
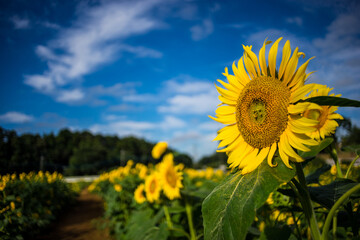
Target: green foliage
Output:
[
  {"x": 230, "y": 208},
  {"x": 332, "y": 101},
  {"x": 328, "y": 194},
  {"x": 73, "y": 153},
  {"x": 30, "y": 202}
]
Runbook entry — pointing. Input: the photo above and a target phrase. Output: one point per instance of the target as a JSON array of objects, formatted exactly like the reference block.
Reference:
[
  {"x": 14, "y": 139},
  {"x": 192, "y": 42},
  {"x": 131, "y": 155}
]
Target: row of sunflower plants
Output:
[
  {"x": 29, "y": 202},
  {"x": 275, "y": 125},
  {"x": 159, "y": 201}
]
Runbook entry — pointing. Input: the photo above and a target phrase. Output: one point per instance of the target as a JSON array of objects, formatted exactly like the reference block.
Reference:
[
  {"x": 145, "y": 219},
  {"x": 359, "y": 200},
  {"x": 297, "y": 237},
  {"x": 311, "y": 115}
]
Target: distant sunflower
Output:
[
  {"x": 325, "y": 115},
  {"x": 159, "y": 149},
  {"x": 170, "y": 177},
  {"x": 152, "y": 187},
  {"x": 260, "y": 111},
  {"x": 139, "y": 194}
]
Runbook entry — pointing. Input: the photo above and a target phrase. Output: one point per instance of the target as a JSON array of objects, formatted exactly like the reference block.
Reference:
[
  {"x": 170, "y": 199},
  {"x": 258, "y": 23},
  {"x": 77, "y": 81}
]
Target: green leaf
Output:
[
  {"x": 314, "y": 150},
  {"x": 276, "y": 232},
  {"x": 314, "y": 177},
  {"x": 327, "y": 195},
  {"x": 332, "y": 101},
  {"x": 353, "y": 148},
  {"x": 230, "y": 208}
]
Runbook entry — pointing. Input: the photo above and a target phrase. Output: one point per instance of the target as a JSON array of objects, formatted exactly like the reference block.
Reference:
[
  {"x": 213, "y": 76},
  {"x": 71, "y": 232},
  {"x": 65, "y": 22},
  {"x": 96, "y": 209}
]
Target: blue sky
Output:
[{"x": 148, "y": 68}]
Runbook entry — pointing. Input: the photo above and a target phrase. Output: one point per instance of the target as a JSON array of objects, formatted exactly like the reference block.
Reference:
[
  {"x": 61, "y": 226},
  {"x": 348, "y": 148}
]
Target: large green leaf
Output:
[
  {"x": 230, "y": 208},
  {"x": 327, "y": 195},
  {"x": 314, "y": 150},
  {"x": 333, "y": 101}
]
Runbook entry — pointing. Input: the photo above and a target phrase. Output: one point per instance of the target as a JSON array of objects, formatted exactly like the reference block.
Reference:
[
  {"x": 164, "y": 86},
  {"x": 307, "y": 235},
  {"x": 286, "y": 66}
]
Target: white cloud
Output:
[
  {"x": 203, "y": 30},
  {"x": 295, "y": 20},
  {"x": 95, "y": 39},
  {"x": 20, "y": 23},
  {"x": 70, "y": 96},
  {"x": 124, "y": 128},
  {"x": 172, "y": 122},
  {"x": 16, "y": 117},
  {"x": 195, "y": 104},
  {"x": 189, "y": 95}
]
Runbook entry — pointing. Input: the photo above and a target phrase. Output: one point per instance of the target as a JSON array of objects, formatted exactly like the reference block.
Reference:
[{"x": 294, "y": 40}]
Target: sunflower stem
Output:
[
  {"x": 305, "y": 200},
  {"x": 333, "y": 153},
  {"x": 334, "y": 209},
  {"x": 350, "y": 166},
  {"x": 168, "y": 218},
  {"x": 190, "y": 221}
]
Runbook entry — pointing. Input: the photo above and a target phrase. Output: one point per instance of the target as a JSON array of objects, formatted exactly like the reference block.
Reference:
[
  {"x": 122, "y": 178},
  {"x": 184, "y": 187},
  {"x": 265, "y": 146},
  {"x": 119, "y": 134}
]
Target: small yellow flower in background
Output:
[
  {"x": 325, "y": 115},
  {"x": 261, "y": 226},
  {"x": 290, "y": 221},
  {"x": 270, "y": 199},
  {"x": 117, "y": 187},
  {"x": 159, "y": 149},
  {"x": 12, "y": 206},
  {"x": 152, "y": 187},
  {"x": 35, "y": 215},
  {"x": 2, "y": 186},
  {"x": 260, "y": 99},
  {"x": 170, "y": 177},
  {"x": 139, "y": 194},
  {"x": 333, "y": 170},
  {"x": 91, "y": 187},
  {"x": 19, "y": 214},
  {"x": 18, "y": 199}
]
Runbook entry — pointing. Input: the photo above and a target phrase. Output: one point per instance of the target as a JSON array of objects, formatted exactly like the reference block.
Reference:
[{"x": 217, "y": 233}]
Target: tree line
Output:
[{"x": 73, "y": 153}]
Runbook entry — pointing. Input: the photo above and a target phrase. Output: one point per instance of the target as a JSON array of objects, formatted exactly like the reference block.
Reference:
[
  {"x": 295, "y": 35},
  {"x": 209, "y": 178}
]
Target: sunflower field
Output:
[
  {"x": 28, "y": 202},
  {"x": 275, "y": 187}
]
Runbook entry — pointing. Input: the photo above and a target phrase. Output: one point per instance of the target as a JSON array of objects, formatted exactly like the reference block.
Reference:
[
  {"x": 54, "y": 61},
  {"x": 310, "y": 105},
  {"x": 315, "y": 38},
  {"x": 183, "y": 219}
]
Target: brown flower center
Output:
[{"x": 261, "y": 111}]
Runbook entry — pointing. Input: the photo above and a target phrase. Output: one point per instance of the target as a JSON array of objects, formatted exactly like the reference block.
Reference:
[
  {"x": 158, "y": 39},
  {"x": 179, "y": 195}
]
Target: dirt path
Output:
[{"x": 77, "y": 223}]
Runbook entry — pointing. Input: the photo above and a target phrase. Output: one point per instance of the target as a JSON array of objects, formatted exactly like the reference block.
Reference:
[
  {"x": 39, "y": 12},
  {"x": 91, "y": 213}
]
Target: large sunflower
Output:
[
  {"x": 325, "y": 115},
  {"x": 260, "y": 111},
  {"x": 170, "y": 177},
  {"x": 152, "y": 187}
]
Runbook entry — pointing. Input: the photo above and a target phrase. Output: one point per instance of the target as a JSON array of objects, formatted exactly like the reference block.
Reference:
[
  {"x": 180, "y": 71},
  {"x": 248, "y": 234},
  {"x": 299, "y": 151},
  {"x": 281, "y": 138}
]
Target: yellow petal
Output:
[
  {"x": 238, "y": 143},
  {"x": 249, "y": 65},
  {"x": 248, "y": 158},
  {"x": 262, "y": 57},
  {"x": 302, "y": 91},
  {"x": 227, "y": 119},
  {"x": 285, "y": 58},
  {"x": 244, "y": 76},
  {"x": 288, "y": 149},
  {"x": 302, "y": 107},
  {"x": 291, "y": 67},
  {"x": 228, "y": 101},
  {"x": 225, "y": 110},
  {"x": 272, "y": 57},
  {"x": 300, "y": 74},
  {"x": 252, "y": 57},
  {"x": 227, "y": 132},
  {"x": 228, "y": 86},
  {"x": 256, "y": 162},
  {"x": 271, "y": 155},
  {"x": 284, "y": 157},
  {"x": 295, "y": 143},
  {"x": 226, "y": 93}
]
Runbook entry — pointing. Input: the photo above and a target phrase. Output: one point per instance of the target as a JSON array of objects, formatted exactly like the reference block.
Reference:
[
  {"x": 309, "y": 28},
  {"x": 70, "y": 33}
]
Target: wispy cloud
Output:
[
  {"x": 15, "y": 117},
  {"x": 202, "y": 30},
  {"x": 295, "y": 20},
  {"x": 20, "y": 23},
  {"x": 95, "y": 39},
  {"x": 191, "y": 96}
]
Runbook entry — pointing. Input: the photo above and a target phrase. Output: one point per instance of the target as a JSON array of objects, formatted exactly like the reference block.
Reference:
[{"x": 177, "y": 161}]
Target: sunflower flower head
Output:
[
  {"x": 152, "y": 187},
  {"x": 324, "y": 114},
  {"x": 260, "y": 110},
  {"x": 159, "y": 149},
  {"x": 170, "y": 177},
  {"x": 139, "y": 194}
]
